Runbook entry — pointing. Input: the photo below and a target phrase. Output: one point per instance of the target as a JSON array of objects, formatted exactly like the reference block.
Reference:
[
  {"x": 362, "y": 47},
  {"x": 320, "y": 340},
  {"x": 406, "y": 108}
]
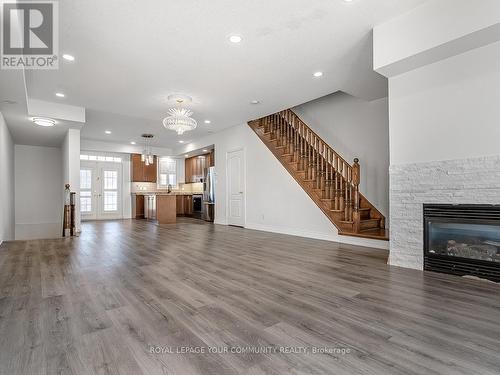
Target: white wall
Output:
[
  {"x": 39, "y": 192},
  {"x": 447, "y": 110},
  {"x": 7, "y": 211},
  {"x": 436, "y": 30},
  {"x": 356, "y": 128},
  {"x": 70, "y": 151},
  {"x": 444, "y": 90},
  {"x": 274, "y": 200}
]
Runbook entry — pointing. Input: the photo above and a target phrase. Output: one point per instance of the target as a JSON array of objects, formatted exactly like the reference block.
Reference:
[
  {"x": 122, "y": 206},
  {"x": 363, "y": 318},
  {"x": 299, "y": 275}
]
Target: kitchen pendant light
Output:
[{"x": 147, "y": 155}]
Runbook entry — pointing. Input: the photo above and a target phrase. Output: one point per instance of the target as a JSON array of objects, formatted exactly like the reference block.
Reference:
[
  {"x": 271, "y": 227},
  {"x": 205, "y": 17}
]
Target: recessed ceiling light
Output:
[
  {"x": 318, "y": 74},
  {"x": 68, "y": 57},
  {"x": 42, "y": 121},
  {"x": 207, "y": 121},
  {"x": 205, "y": 150},
  {"x": 235, "y": 39},
  {"x": 186, "y": 156},
  {"x": 60, "y": 94},
  {"x": 107, "y": 131},
  {"x": 255, "y": 102},
  {"x": 132, "y": 143},
  {"x": 181, "y": 141}
]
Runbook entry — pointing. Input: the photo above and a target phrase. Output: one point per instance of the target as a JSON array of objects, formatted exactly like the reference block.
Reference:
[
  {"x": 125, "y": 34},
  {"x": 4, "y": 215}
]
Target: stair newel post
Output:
[{"x": 356, "y": 179}]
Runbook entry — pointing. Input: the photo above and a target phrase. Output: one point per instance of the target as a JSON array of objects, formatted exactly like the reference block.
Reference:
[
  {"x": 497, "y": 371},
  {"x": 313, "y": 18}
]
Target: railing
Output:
[{"x": 327, "y": 170}]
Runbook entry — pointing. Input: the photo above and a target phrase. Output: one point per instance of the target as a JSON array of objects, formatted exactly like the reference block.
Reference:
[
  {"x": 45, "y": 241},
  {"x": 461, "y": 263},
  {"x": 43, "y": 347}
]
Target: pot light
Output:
[
  {"x": 42, "y": 121},
  {"x": 181, "y": 141},
  {"x": 207, "y": 121},
  {"x": 186, "y": 156},
  {"x": 255, "y": 102},
  {"x": 205, "y": 150},
  {"x": 235, "y": 39},
  {"x": 133, "y": 143},
  {"x": 68, "y": 57},
  {"x": 107, "y": 131},
  {"x": 60, "y": 95},
  {"x": 318, "y": 74}
]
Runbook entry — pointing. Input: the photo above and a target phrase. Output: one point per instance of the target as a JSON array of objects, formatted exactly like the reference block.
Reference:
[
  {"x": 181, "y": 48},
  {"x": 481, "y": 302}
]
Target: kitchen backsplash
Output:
[{"x": 152, "y": 187}]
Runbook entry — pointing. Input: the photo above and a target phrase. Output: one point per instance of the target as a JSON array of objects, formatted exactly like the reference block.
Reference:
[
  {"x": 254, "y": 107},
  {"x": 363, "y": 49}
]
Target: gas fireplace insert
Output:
[{"x": 462, "y": 240}]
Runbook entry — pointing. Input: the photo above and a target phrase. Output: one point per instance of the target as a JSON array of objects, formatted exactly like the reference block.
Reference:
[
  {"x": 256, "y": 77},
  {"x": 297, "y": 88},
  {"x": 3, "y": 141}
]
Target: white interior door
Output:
[
  {"x": 236, "y": 188},
  {"x": 88, "y": 191},
  {"x": 100, "y": 191}
]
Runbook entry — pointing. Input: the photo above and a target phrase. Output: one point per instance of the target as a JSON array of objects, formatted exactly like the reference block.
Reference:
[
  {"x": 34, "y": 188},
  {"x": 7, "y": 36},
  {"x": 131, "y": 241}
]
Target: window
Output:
[
  {"x": 110, "y": 180},
  {"x": 110, "y": 201},
  {"x": 110, "y": 159},
  {"x": 85, "y": 201},
  {"x": 85, "y": 179},
  {"x": 167, "y": 172}
]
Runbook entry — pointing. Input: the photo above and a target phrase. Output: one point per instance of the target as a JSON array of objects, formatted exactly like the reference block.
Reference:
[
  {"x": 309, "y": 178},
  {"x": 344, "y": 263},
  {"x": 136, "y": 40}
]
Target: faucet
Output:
[{"x": 169, "y": 188}]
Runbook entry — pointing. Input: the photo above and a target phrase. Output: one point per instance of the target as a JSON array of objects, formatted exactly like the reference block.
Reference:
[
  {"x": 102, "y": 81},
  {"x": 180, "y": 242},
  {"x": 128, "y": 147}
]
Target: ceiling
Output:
[{"x": 130, "y": 55}]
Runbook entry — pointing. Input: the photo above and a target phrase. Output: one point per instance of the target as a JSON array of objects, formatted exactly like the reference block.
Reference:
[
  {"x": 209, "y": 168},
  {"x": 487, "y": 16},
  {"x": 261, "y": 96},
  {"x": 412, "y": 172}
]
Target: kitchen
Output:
[{"x": 164, "y": 188}]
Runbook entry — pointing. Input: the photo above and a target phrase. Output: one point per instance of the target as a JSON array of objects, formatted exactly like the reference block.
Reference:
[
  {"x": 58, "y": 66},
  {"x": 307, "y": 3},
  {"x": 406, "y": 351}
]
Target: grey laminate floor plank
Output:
[{"x": 97, "y": 304}]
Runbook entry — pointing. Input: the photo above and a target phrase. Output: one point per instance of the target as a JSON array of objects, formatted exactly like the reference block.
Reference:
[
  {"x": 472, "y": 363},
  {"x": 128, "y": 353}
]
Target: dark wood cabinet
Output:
[
  {"x": 142, "y": 172},
  {"x": 184, "y": 205},
  {"x": 139, "y": 206},
  {"x": 195, "y": 167}
]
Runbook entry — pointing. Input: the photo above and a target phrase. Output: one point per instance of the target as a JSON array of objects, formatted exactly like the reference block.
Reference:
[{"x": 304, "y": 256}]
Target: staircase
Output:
[{"x": 330, "y": 181}]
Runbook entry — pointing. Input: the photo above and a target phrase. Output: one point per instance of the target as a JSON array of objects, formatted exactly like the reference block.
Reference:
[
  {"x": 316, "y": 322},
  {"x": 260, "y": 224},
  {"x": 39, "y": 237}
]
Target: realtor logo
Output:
[{"x": 29, "y": 35}]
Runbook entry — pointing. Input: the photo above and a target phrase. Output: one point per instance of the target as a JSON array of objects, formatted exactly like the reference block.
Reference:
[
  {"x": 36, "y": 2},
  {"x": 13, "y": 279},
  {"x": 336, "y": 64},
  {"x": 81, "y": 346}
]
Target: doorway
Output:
[
  {"x": 100, "y": 190},
  {"x": 236, "y": 188}
]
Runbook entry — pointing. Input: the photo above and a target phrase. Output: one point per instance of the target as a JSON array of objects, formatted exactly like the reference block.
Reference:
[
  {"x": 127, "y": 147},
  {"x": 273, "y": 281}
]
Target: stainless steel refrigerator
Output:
[{"x": 209, "y": 195}]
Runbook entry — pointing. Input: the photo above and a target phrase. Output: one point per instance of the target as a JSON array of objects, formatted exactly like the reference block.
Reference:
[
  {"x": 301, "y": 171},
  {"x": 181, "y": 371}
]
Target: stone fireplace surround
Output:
[{"x": 462, "y": 181}]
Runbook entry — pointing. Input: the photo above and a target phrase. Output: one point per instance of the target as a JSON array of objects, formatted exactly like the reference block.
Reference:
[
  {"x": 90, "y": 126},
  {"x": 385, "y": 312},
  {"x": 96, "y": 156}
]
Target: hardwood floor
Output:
[{"x": 99, "y": 304}]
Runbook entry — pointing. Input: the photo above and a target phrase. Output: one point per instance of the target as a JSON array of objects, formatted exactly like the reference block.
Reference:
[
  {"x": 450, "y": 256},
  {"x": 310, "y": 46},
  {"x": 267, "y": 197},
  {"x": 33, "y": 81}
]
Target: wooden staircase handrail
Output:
[{"x": 317, "y": 136}]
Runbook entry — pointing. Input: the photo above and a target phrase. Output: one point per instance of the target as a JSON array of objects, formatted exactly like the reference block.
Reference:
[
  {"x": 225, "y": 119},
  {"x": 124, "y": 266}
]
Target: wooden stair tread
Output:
[{"x": 286, "y": 151}]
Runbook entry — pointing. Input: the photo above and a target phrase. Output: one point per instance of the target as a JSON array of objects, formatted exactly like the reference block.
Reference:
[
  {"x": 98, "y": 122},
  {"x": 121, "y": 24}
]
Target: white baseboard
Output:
[{"x": 333, "y": 236}]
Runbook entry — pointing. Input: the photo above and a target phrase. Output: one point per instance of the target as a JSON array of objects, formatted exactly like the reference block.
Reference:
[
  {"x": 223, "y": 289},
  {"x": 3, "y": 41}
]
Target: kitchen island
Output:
[
  {"x": 161, "y": 206},
  {"x": 166, "y": 209}
]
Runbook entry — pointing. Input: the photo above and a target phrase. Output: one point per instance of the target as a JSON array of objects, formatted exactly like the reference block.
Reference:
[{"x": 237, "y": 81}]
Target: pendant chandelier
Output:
[
  {"x": 147, "y": 156},
  {"x": 180, "y": 119}
]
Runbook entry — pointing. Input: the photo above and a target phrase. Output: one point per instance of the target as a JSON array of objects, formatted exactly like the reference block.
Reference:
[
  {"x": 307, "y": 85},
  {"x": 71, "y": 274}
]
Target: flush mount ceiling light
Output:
[
  {"x": 107, "y": 131},
  {"x": 42, "y": 121},
  {"x": 60, "y": 94},
  {"x": 180, "y": 119},
  {"x": 318, "y": 74},
  {"x": 68, "y": 57},
  {"x": 235, "y": 38}
]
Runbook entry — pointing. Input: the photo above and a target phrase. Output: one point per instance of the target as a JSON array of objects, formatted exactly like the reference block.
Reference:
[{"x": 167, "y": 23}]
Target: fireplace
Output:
[{"x": 462, "y": 240}]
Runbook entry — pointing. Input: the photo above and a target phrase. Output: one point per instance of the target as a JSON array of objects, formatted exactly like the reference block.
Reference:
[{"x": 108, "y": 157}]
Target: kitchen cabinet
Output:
[
  {"x": 142, "y": 172},
  {"x": 195, "y": 168},
  {"x": 184, "y": 205},
  {"x": 139, "y": 206}
]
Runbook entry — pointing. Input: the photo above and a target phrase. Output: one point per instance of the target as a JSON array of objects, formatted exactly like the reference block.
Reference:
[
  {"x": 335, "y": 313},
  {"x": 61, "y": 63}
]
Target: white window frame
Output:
[{"x": 175, "y": 172}]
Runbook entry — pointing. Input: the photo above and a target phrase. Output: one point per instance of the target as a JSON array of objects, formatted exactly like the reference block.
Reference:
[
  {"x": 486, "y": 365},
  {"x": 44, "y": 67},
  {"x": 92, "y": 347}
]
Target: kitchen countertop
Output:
[{"x": 163, "y": 193}]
